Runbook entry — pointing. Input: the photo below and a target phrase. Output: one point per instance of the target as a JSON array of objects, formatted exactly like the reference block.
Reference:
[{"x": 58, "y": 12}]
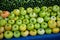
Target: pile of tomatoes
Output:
[{"x": 30, "y": 21}]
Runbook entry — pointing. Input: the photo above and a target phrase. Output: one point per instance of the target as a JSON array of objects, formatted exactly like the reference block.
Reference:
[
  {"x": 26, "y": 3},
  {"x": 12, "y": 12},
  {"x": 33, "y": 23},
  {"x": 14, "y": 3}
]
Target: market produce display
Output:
[{"x": 30, "y": 21}]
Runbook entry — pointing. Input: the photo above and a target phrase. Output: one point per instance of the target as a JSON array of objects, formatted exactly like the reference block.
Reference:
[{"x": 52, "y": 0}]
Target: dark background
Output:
[{"x": 13, "y": 4}]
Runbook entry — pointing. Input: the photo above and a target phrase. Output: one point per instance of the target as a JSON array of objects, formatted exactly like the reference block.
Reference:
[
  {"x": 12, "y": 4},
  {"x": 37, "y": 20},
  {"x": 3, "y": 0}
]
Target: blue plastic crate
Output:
[{"x": 39, "y": 37}]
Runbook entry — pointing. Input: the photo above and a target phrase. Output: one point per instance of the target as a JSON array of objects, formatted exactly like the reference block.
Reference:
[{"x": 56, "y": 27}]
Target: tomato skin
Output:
[
  {"x": 52, "y": 24},
  {"x": 8, "y": 27},
  {"x": 1, "y": 29},
  {"x": 55, "y": 30},
  {"x": 5, "y": 14},
  {"x": 1, "y": 35}
]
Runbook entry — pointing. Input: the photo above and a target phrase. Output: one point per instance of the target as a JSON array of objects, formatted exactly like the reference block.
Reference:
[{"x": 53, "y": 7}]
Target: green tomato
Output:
[
  {"x": 58, "y": 23},
  {"x": 33, "y": 15},
  {"x": 11, "y": 16},
  {"x": 23, "y": 27},
  {"x": 49, "y": 9},
  {"x": 11, "y": 21},
  {"x": 25, "y": 21},
  {"x": 58, "y": 13},
  {"x": 3, "y": 22},
  {"x": 42, "y": 14},
  {"x": 53, "y": 14},
  {"x": 53, "y": 18},
  {"x": 40, "y": 20},
  {"x": 52, "y": 24},
  {"x": 8, "y": 34},
  {"x": 6, "y": 19},
  {"x": 56, "y": 8},
  {"x": 41, "y": 31},
  {"x": 16, "y": 34},
  {"x": 21, "y": 8},
  {"x": 37, "y": 26},
  {"x": 21, "y": 17},
  {"x": 29, "y": 10},
  {"x": 24, "y": 33},
  {"x": 23, "y": 12},
  {"x": 27, "y": 16},
  {"x": 30, "y": 26},
  {"x": 44, "y": 25},
  {"x": 47, "y": 14},
  {"x": 33, "y": 32},
  {"x": 33, "y": 20},
  {"x": 19, "y": 22},
  {"x": 16, "y": 18},
  {"x": 44, "y": 8},
  {"x": 16, "y": 12},
  {"x": 15, "y": 27},
  {"x": 58, "y": 18},
  {"x": 36, "y": 10},
  {"x": 48, "y": 31},
  {"x": 46, "y": 18}
]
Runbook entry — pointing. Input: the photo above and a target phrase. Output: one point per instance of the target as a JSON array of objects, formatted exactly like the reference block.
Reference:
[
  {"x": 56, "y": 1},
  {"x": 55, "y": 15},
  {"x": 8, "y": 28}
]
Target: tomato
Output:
[
  {"x": 55, "y": 30},
  {"x": 1, "y": 35},
  {"x": 5, "y": 14},
  {"x": 52, "y": 24},
  {"x": 1, "y": 29}
]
